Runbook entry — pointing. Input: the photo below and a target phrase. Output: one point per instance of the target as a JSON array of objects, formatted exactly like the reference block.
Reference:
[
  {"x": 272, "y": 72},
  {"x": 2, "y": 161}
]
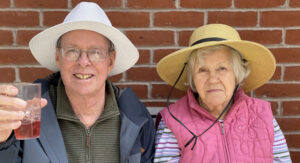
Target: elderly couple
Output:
[{"x": 214, "y": 122}]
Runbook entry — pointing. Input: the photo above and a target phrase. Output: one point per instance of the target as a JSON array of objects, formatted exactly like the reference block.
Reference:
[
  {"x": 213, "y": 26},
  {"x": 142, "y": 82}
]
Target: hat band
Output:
[{"x": 208, "y": 39}]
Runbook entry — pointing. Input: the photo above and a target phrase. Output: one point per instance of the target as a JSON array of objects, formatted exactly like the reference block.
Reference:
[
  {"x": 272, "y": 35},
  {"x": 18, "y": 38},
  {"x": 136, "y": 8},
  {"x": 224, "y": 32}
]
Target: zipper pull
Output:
[
  {"x": 222, "y": 128},
  {"x": 88, "y": 138}
]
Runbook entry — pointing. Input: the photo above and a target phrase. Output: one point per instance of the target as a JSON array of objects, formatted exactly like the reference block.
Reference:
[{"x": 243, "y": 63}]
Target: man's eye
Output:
[
  {"x": 70, "y": 51},
  {"x": 95, "y": 52},
  {"x": 73, "y": 50}
]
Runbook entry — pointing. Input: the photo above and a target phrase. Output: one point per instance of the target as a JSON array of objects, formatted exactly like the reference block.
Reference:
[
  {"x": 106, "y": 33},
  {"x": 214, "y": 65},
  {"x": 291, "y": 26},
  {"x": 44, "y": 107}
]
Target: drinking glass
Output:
[{"x": 31, "y": 123}]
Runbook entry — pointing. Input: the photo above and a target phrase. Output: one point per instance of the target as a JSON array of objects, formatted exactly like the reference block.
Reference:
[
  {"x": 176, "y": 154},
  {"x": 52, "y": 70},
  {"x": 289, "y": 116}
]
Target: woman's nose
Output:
[{"x": 213, "y": 77}]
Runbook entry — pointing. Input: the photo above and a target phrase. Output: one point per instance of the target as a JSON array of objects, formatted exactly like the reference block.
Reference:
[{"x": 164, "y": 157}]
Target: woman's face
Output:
[{"x": 214, "y": 80}]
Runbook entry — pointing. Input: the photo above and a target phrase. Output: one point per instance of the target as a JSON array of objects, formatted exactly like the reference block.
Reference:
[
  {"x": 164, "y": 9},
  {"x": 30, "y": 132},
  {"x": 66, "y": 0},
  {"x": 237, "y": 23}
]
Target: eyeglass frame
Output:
[
  {"x": 110, "y": 49},
  {"x": 64, "y": 50}
]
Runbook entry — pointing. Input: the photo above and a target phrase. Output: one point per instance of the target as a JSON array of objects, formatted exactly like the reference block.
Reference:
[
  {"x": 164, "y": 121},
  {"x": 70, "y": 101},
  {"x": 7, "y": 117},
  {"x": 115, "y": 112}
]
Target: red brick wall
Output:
[{"x": 158, "y": 27}]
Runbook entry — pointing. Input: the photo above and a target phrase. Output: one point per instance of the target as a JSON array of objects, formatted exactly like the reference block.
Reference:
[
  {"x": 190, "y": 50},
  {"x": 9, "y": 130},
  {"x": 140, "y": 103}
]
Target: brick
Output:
[
  {"x": 102, "y": 3},
  {"x": 291, "y": 107},
  {"x": 19, "y": 18},
  {"x": 138, "y": 74},
  {"x": 6, "y": 37},
  {"x": 258, "y": 4},
  {"x": 295, "y": 156},
  {"x": 178, "y": 19},
  {"x": 279, "y": 18},
  {"x": 274, "y": 106},
  {"x": 140, "y": 90},
  {"x": 24, "y": 36},
  {"x": 41, "y": 3},
  {"x": 285, "y": 124},
  {"x": 205, "y": 3},
  {"x": 293, "y": 140},
  {"x": 286, "y": 55},
  {"x": 141, "y": 4},
  {"x": 144, "y": 57},
  {"x": 184, "y": 38},
  {"x": 243, "y": 19},
  {"x": 262, "y": 36},
  {"x": 52, "y": 18},
  {"x": 291, "y": 37},
  {"x": 162, "y": 91},
  {"x": 16, "y": 56},
  {"x": 151, "y": 38},
  {"x": 278, "y": 90},
  {"x": 116, "y": 78},
  {"x": 31, "y": 74},
  {"x": 8, "y": 75},
  {"x": 129, "y": 19},
  {"x": 159, "y": 54},
  {"x": 294, "y": 3},
  {"x": 155, "y": 104},
  {"x": 4, "y": 3},
  {"x": 292, "y": 73},
  {"x": 277, "y": 74}
]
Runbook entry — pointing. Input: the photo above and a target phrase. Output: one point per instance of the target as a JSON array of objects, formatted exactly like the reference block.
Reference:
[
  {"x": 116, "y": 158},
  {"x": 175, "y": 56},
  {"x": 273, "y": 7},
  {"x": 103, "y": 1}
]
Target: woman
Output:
[{"x": 216, "y": 121}]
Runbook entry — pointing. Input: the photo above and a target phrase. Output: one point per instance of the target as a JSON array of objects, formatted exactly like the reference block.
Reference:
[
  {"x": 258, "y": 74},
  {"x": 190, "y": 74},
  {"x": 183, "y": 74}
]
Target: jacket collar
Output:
[
  {"x": 51, "y": 137},
  {"x": 131, "y": 121}
]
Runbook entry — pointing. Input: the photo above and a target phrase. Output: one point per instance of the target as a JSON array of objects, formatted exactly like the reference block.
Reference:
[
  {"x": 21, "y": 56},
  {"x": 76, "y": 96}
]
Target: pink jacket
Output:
[{"x": 246, "y": 136}]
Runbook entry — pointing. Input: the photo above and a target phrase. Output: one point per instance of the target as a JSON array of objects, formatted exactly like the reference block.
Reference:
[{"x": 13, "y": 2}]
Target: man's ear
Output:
[
  {"x": 112, "y": 59},
  {"x": 57, "y": 57}
]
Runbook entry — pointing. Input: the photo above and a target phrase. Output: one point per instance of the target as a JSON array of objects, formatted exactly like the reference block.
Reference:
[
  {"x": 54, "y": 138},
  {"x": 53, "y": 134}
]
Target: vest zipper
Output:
[
  {"x": 88, "y": 145},
  {"x": 225, "y": 142}
]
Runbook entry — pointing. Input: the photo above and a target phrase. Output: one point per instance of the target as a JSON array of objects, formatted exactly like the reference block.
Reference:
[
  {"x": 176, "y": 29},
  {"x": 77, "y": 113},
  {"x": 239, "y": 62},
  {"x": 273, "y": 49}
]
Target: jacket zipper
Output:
[
  {"x": 225, "y": 142},
  {"x": 88, "y": 145}
]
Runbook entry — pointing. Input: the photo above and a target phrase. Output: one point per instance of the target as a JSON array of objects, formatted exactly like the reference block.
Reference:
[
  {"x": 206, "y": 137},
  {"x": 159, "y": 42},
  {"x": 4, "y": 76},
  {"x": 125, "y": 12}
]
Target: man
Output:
[{"x": 86, "y": 118}]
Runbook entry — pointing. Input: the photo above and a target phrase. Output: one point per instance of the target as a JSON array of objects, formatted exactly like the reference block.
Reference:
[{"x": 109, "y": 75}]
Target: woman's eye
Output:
[
  {"x": 222, "y": 68},
  {"x": 202, "y": 70}
]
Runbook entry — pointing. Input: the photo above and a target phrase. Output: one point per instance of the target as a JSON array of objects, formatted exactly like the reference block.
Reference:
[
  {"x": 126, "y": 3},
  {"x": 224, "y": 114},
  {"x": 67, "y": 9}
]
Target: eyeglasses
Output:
[{"x": 73, "y": 54}]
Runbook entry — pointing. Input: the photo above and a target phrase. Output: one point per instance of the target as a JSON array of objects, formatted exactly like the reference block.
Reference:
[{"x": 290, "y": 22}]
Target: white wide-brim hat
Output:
[
  {"x": 261, "y": 61},
  {"x": 85, "y": 16}
]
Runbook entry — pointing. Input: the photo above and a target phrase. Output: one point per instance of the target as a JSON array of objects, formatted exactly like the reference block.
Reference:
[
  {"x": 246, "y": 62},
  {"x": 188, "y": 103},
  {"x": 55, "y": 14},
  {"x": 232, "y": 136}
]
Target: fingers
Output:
[
  {"x": 13, "y": 102},
  {"x": 8, "y": 115},
  {"x": 43, "y": 102},
  {"x": 9, "y": 125},
  {"x": 7, "y": 93},
  {"x": 8, "y": 90}
]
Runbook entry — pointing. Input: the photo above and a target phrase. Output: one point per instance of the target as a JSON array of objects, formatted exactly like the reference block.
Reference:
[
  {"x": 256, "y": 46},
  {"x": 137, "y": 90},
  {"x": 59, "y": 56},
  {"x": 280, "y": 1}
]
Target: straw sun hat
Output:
[
  {"x": 86, "y": 16},
  {"x": 261, "y": 61}
]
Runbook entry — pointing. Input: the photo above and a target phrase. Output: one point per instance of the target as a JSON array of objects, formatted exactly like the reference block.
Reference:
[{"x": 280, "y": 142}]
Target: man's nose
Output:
[{"x": 83, "y": 59}]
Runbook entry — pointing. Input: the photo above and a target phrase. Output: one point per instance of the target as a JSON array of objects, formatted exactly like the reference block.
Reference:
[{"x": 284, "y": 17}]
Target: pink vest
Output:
[{"x": 247, "y": 135}]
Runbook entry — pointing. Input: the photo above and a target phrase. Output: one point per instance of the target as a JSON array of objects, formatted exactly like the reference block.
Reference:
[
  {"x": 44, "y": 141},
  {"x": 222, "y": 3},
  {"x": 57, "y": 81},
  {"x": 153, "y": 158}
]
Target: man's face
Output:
[{"x": 83, "y": 76}]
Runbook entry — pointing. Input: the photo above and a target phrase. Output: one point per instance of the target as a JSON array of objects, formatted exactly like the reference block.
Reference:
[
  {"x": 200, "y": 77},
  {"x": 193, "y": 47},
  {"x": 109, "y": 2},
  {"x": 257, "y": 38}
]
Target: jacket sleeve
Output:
[
  {"x": 10, "y": 150},
  {"x": 148, "y": 141}
]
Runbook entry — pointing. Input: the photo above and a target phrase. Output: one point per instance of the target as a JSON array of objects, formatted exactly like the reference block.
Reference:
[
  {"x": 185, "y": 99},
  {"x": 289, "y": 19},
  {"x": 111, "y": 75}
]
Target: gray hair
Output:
[{"x": 240, "y": 67}]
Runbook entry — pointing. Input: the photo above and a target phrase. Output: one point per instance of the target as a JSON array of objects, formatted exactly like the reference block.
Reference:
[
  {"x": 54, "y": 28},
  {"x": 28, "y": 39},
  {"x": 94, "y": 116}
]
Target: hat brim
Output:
[
  {"x": 261, "y": 61},
  {"x": 43, "y": 45}
]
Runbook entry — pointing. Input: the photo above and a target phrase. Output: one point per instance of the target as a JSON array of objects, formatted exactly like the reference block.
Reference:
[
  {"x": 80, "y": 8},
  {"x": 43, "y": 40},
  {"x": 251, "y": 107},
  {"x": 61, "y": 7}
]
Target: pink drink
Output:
[{"x": 28, "y": 131}]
